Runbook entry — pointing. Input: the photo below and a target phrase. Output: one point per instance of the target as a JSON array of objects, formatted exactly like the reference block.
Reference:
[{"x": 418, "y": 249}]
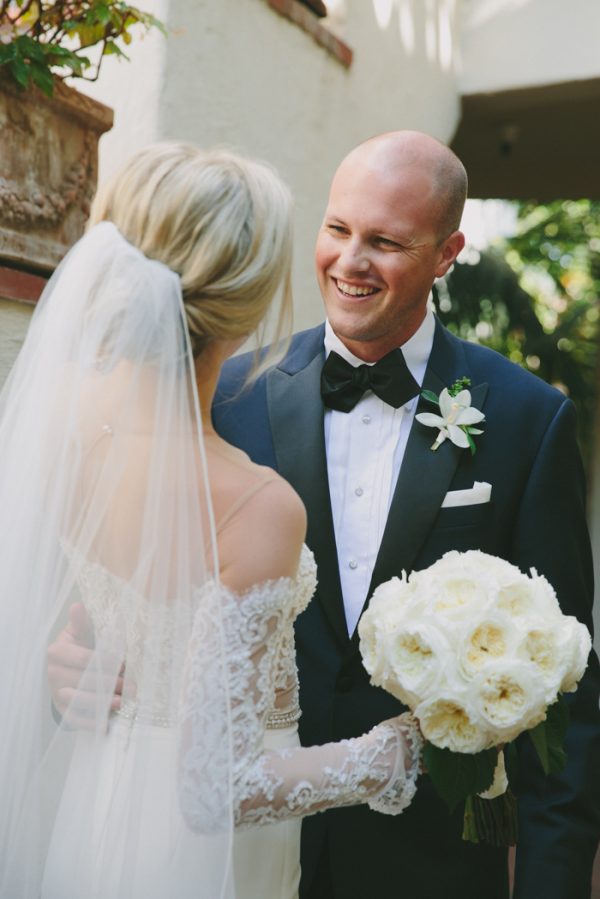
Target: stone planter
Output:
[{"x": 48, "y": 172}]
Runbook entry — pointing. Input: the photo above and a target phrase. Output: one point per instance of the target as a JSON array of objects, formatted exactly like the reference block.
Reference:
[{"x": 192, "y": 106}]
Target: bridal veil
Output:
[{"x": 105, "y": 499}]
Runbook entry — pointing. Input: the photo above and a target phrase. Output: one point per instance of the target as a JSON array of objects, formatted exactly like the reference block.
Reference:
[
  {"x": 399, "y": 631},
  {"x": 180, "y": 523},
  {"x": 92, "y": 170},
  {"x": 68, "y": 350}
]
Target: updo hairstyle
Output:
[{"x": 222, "y": 222}]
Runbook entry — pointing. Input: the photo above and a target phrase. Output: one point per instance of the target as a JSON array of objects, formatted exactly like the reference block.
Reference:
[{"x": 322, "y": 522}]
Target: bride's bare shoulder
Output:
[{"x": 260, "y": 519}]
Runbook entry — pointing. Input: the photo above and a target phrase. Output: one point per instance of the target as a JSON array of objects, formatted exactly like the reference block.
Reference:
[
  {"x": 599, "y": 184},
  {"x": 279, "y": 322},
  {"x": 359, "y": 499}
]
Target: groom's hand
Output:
[{"x": 69, "y": 657}]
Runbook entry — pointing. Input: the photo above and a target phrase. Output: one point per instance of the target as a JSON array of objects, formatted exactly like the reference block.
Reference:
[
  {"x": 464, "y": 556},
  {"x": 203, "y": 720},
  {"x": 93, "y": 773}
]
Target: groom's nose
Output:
[{"x": 353, "y": 256}]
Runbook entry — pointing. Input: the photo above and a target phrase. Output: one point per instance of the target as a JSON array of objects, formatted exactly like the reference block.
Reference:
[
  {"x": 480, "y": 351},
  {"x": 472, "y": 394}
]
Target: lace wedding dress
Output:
[{"x": 275, "y": 781}]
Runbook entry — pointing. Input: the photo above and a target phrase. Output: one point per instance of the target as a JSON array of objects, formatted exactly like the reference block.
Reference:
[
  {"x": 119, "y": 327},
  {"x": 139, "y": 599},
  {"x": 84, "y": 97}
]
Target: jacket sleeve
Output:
[{"x": 559, "y": 816}]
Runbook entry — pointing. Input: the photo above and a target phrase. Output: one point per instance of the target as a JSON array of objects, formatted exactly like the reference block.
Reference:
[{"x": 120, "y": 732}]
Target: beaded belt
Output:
[
  {"x": 285, "y": 718},
  {"x": 130, "y": 712}
]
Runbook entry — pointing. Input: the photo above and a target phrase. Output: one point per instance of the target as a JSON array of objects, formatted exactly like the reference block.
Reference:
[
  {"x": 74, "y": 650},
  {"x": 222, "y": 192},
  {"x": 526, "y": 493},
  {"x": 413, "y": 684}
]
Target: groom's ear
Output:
[{"x": 449, "y": 250}]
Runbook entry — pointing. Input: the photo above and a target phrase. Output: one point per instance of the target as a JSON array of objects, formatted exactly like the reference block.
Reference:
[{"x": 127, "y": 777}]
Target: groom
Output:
[{"x": 380, "y": 501}]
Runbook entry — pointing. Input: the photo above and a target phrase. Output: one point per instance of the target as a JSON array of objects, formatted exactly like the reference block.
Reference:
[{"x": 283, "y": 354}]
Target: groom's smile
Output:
[{"x": 354, "y": 290}]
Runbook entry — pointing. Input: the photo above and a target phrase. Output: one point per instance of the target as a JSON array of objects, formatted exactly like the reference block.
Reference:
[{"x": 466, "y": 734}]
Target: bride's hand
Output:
[{"x": 69, "y": 656}]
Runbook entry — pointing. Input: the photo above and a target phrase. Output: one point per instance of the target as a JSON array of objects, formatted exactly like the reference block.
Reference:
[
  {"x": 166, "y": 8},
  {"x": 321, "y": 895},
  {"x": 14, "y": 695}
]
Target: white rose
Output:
[
  {"x": 517, "y": 597},
  {"x": 480, "y": 566},
  {"x": 387, "y": 609},
  {"x": 391, "y": 598},
  {"x": 415, "y": 654},
  {"x": 370, "y": 631},
  {"x": 510, "y": 697},
  {"x": 545, "y": 597},
  {"x": 448, "y": 724},
  {"x": 539, "y": 647},
  {"x": 575, "y": 644},
  {"x": 486, "y": 640},
  {"x": 460, "y": 585}
]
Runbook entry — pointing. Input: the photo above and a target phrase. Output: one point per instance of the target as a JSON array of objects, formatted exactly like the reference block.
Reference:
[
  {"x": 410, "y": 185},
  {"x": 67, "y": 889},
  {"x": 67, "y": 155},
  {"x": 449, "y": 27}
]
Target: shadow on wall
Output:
[{"x": 434, "y": 24}]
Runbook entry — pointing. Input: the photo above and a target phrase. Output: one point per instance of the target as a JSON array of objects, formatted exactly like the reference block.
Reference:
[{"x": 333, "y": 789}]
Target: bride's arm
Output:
[{"x": 380, "y": 767}]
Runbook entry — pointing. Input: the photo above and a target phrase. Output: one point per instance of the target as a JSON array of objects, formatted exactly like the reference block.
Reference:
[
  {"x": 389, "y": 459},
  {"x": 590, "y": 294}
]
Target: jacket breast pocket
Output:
[{"x": 454, "y": 517}]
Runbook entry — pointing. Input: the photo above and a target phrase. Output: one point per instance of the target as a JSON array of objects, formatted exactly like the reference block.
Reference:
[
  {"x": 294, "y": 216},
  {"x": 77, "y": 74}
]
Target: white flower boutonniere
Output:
[{"x": 457, "y": 415}]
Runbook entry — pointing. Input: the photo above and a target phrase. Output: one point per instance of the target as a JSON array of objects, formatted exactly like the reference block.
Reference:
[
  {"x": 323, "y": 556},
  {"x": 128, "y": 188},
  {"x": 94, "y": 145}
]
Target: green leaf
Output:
[
  {"x": 471, "y": 441},
  {"x": 112, "y": 49},
  {"x": 59, "y": 55},
  {"x": 103, "y": 13},
  {"x": 43, "y": 78},
  {"x": 34, "y": 55},
  {"x": 548, "y": 737},
  {"x": 7, "y": 53},
  {"x": 153, "y": 22},
  {"x": 20, "y": 71},
  {"x": 511, "y": 762},
  {"x": 540, "y": 742},
  {"x": 429, "y": 396},
  {"x": 89, "y": 35},
  {"x": 456, "y": 775},
  {"x": 30, "y": 49}
]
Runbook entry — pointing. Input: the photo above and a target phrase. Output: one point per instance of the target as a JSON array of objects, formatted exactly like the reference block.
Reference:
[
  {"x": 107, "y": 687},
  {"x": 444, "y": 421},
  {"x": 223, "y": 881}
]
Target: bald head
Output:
[{"x": 399, "y": 152}]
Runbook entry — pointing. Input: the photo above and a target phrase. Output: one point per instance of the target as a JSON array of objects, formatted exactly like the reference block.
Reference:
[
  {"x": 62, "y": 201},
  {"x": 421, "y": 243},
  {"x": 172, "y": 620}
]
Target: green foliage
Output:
[
  {"x": 549, "y": 736},
  {"x": 535, "y": 298},
  {"x": 430, "y": 396},
  {"x": 456, "y": 775},
  {"x": 460, "y": 384},
  {"x": 41, "y": 40}
]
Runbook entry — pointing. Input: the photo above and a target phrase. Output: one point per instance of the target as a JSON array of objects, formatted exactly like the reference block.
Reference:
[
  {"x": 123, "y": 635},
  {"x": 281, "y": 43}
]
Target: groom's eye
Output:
[
  {"x": 387, "y": 242},
  {"x": 337, "y": 229}
]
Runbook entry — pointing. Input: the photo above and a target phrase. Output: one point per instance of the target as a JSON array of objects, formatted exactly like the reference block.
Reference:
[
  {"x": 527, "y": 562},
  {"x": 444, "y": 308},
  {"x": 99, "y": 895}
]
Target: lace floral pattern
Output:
[
  {"x": 146, "y": 634},
  {"x": 253, "y": 633},
  {"x": 380, "y": 768}
]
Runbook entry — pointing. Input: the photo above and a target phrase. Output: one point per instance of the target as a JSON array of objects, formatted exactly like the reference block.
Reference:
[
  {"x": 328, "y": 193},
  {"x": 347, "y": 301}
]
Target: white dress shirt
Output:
[{"x": 365, "y": 448}]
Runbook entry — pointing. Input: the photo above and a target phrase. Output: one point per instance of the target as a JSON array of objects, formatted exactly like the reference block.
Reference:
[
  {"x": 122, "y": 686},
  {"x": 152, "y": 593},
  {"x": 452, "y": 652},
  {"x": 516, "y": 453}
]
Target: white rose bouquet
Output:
[{"x": 479, "y": 652}]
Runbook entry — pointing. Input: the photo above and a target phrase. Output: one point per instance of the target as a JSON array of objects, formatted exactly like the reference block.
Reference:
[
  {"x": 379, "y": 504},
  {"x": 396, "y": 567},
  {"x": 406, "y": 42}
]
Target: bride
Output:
[{"x": 187, "y": 557}]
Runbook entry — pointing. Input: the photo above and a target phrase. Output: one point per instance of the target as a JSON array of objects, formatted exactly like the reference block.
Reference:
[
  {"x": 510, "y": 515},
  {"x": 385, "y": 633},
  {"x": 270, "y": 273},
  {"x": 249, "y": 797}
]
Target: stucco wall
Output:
[
  {"x": 521, "y": 43},
  {"x": 234, "y": 72}
]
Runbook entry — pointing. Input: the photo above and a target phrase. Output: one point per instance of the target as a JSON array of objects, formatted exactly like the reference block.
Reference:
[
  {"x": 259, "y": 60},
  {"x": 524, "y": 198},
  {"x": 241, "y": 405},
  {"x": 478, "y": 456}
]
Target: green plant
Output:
[
  {"x": 535, "y": 298},
  {"x": 41, "y": 40}
]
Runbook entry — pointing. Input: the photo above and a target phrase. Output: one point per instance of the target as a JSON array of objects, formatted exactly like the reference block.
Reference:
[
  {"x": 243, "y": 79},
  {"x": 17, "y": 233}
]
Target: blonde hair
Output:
[{"x": 222, "y": 222}]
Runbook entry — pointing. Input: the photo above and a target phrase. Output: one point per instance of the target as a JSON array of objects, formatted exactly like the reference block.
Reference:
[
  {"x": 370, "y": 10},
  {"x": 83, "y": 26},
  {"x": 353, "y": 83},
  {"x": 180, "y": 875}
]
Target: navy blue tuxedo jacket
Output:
[{"x": 536, "y": 518}]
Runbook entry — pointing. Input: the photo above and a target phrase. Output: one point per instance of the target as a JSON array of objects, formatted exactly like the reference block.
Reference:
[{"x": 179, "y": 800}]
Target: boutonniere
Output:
[{"x": 457, "y": 415}]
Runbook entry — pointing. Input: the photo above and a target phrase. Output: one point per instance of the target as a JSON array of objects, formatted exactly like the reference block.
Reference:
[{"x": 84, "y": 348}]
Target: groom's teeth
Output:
[{"x": 354, "y": 291}]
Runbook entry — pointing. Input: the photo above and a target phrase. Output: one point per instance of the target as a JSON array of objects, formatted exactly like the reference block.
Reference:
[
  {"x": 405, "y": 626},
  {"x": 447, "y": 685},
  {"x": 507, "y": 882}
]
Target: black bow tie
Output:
[{"x": 342, "y": 385}]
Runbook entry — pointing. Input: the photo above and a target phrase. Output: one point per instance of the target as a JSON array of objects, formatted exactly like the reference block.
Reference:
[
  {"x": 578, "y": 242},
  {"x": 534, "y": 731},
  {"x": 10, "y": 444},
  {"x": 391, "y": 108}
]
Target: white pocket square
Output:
[{"x": 480, "y": 492}]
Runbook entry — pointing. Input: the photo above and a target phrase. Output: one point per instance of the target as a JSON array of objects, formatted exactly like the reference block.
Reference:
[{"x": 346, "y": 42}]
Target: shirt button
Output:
[
  {"x": 352, "y": 564},
  {"x": 366, "y": 419},
  {"x": 359, "y": 491}
]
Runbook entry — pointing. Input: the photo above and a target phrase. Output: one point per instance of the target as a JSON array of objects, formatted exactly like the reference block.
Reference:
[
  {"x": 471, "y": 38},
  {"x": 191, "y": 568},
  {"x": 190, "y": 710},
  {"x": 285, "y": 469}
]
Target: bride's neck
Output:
[{"x": 208, "y": 368}]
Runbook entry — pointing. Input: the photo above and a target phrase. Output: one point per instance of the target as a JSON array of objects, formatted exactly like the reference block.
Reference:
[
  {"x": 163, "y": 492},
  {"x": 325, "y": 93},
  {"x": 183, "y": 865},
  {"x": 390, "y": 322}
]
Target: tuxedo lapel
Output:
[
  {"x": 425, "y": 476},
  {"x": 296, "y": 418}
]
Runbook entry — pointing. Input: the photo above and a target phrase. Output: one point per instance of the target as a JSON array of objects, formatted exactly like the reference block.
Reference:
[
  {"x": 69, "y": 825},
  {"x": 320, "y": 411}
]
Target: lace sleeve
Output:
[{"x": 380, "y": 767}]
